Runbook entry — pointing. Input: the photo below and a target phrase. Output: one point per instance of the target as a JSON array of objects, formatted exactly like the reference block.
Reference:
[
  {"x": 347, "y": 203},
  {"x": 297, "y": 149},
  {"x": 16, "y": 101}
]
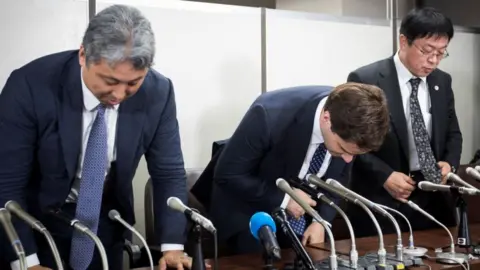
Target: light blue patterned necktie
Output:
[
  {"x": 90, "y": 192},
  {"x": 298, "y": 225}
]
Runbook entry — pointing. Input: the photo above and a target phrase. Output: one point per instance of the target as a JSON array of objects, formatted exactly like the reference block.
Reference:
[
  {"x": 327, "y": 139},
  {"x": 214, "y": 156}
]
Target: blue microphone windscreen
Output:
[{"x": 259, "y": 220}]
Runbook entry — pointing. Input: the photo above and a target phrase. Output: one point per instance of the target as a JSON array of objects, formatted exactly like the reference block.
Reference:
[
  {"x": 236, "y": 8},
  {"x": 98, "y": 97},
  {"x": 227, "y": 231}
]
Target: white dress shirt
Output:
[
  {"x": 315, "y": 140},
  {"x": 89, "y": 113},
  {"x": 404, "y": 76}
]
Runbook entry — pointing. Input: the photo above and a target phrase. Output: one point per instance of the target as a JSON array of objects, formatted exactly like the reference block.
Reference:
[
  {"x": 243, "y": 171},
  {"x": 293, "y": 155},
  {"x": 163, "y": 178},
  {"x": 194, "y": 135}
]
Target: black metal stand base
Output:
[{"x": 198, "y": 262}]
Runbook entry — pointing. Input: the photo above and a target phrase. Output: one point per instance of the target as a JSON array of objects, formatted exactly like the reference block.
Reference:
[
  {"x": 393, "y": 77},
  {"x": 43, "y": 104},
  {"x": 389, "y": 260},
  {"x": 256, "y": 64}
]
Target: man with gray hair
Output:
[{"x": 73, "y": 127}]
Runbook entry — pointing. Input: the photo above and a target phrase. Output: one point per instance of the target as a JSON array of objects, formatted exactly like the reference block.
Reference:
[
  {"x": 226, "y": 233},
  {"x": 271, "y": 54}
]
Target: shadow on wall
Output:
[{"x": 476, "y": 95}]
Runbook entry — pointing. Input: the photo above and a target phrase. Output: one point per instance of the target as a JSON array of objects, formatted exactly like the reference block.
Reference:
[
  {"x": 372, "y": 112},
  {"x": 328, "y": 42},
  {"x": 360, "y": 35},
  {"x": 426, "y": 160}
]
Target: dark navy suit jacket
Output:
[
  {"x": 270, "y": 143},
  {"x": 40, "y": 141}
]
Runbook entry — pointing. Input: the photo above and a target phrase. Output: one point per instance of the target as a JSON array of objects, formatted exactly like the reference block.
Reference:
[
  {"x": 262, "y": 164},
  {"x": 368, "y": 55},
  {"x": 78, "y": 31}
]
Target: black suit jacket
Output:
[
  {"x": 376, "y": 167},
  {"x": 270, "y": 143},
  {"x": 41, "y": 109}
]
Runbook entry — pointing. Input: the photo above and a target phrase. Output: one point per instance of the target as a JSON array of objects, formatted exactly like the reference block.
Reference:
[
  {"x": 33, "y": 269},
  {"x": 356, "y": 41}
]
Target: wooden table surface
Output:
[{"x": 430, "y": 239}]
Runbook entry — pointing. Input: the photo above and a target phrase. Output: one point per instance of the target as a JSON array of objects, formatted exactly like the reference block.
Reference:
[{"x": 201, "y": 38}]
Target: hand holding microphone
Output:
[{"x": 294, "y": 209}]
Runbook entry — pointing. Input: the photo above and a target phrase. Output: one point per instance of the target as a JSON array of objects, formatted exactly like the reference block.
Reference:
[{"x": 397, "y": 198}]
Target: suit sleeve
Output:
[
  {"x": 237, "y": 168},
  {"x": 369, "y": 162},
  {"x": 166, "y": 168},
  {"x": 17, "y": 146},
  {"x": 454, "y": 140}
]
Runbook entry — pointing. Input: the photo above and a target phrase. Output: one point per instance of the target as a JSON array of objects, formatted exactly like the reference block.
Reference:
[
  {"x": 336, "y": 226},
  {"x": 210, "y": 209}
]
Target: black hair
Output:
[{"x": 426, "y": 22}]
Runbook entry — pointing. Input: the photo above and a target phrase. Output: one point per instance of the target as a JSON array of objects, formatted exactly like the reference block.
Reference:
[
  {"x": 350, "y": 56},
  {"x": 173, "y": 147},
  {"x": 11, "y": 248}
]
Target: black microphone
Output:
[
  {"x": 77, "y": 225},
  {"x": 429, "y": 186},
  {"x": 6, "y": 221},
  {"x": 281, "y": 217},
  {"x": 302, "y": 185},
  {"x": 15, "y": 208},
  {"x": 263, "y": 228}
]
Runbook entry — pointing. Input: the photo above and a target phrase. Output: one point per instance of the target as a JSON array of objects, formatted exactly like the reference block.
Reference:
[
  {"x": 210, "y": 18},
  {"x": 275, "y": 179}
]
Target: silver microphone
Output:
[
  {"x": 456, "y": 179},
  {"x": 285, "y": 187},
  {"x": 15, "y": 208},
  {"x": 12, "y": 235},
  {"x": 446, "y": 257},
  {"x": 411, "y": 250},
  {"x": 382, "y": 253},
  {"x": 376, "y": 207},
  {"x": 77, "y": 225},
  {"x": 176, "y": 204},
  {"x": 429, "y": 186},
  {"x": 115, "y": 216},
  {"x": 474, "y": 172}
]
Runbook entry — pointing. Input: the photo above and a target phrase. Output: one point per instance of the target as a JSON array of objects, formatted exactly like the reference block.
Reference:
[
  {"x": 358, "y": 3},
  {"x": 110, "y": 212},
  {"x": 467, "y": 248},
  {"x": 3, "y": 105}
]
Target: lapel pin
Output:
[{"x": 436, "y": 87}]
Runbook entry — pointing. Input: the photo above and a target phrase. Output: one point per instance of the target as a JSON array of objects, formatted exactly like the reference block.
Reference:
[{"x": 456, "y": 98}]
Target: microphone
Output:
[
  {"x": 285, "y": 187},
  {"x": 456, "y": 179},
  {"x": 12, "y": 236},
  {"x": 176, "y": 204},
  {"x": 281, "y": 217},
  {"x": 411, "y": 250},
  {"x": 474, "y": 172},
  {"x": 77, "y": 225},
  {"x": 263, "y": 228},
  {"x": 428, "y": 186},
  {"x": 446, "y": 257},
  {"x": 115, "y": 216},
  {"x": 301, "y": 184},
  {"x": 15, "y": 208},
  {"x": 382, "y": 253}
]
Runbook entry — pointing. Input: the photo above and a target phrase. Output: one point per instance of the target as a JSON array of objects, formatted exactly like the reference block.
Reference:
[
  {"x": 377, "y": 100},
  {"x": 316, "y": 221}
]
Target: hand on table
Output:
[
  {"x": 176, "y": 259},
  {"x": 315, "y": 233}
]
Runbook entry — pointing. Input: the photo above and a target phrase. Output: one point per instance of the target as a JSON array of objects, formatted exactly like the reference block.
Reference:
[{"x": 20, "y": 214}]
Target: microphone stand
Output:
[
  {"x": 463, "y": 232},
  {"x": 198, "y": 262},
  {"x": 302, "y": 260}
]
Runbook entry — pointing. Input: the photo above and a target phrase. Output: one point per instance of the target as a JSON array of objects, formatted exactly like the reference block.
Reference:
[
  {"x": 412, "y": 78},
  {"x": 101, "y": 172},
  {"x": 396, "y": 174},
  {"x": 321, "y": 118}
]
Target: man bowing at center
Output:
[{"x": 286, "y": 134}]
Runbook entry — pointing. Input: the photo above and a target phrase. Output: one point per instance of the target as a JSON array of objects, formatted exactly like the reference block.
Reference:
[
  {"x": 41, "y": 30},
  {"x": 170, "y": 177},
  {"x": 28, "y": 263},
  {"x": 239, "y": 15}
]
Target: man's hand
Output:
[
  {"x": 296, "y": 210},
  {"x": 445, "y": 169},
  {"x": 176, "y": 259},
  {"x": 38, "y": 267},
  {"x": 315, "y": 233},
  {"x": 399, "y": 186}
]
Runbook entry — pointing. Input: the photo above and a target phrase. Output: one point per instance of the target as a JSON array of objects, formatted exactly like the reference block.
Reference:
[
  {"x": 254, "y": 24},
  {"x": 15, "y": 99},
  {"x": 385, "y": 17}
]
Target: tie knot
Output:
[
  {"x": 415, "y": 82},
  {"x": 101, "y": 109}
]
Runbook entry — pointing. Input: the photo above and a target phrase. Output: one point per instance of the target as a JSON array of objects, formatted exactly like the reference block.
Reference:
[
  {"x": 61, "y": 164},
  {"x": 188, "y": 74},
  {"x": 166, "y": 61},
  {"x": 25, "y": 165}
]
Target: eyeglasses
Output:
[{"x": 429, "y": 54}]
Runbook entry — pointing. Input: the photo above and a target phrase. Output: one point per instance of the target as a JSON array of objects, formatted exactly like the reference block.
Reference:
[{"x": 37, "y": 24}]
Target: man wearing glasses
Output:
[{"x": 424, "y": 142}]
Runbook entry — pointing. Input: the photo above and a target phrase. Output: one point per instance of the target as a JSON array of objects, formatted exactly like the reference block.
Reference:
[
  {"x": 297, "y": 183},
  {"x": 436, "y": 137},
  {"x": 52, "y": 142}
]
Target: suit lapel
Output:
[
  {"x": 70, "y": 115},
  {"x": 388, "y": 81},
  {"x": 436, "y": 110},
  {"x": 298, "y": 138},
  {"x": 131, "y": 116}
]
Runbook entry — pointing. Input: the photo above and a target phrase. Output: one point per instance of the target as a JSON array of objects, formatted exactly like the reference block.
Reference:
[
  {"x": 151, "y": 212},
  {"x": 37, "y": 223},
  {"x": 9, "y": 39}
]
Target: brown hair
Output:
[{"x": 359, "y": 114}]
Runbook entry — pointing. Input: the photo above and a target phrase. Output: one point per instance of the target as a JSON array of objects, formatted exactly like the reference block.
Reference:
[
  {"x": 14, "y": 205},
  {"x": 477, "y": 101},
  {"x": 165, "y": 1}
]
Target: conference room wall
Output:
[{"x": 221, "y": 57}]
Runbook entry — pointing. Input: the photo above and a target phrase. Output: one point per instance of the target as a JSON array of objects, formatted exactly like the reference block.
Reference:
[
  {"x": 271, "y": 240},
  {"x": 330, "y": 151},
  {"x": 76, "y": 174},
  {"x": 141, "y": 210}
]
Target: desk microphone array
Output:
[{"x": 285, "y": 187}]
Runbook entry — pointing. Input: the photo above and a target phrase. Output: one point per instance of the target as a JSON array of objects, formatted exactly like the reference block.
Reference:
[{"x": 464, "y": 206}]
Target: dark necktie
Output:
[
  {"x": 90, "y": 191},
  {"x": 298, "y": 225},
  {"x": 428, "y": 165}
]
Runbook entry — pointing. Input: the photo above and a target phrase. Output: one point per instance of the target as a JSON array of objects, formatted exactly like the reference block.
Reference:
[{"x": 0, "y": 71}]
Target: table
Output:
[{"x": 430, "y": 239}]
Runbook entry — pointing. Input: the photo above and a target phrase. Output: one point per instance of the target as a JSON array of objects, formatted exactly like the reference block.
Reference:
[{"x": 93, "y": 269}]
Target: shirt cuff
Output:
[
  {"x": 285, "y": 201},
  {"x": 168, "y": 247},
  {"x": 32, "y": 260}
]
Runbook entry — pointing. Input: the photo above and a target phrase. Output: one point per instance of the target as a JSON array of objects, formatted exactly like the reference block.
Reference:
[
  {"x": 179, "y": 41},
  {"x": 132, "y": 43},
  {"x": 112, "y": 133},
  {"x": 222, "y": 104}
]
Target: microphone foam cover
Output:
[{"x": 259, "y": 220}]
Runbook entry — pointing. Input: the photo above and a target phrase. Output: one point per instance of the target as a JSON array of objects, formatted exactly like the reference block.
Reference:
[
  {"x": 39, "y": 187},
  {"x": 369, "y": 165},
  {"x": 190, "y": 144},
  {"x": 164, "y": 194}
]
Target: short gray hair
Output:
[{"x": 120, "y": 34}]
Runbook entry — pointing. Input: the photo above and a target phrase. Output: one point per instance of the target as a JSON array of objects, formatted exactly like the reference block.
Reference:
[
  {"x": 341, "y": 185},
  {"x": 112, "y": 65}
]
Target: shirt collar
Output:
[
  {"x": 404, "y": 75},
  {"x": 317, "y": 137},
  {"x": 89, "y": 100}
]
